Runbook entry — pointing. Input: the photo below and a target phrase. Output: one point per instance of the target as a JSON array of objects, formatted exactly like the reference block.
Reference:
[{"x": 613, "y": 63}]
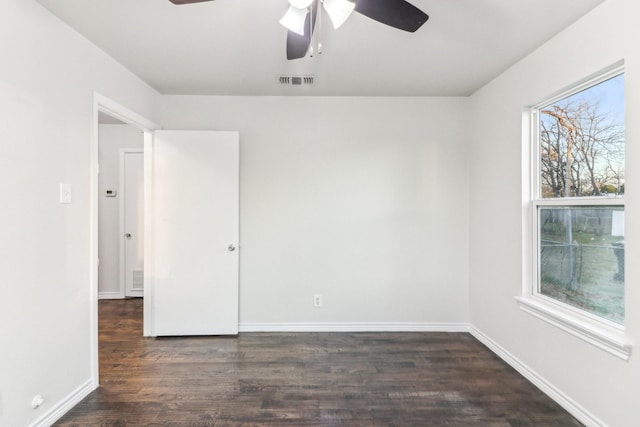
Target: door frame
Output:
[
  {"x": 106, "y": 105},
  {"x": 121, "y": 215}
]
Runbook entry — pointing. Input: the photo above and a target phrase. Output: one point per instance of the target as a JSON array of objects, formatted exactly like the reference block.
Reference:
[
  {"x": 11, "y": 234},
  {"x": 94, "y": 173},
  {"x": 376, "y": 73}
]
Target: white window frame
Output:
[{"x": 604, "y": 334}]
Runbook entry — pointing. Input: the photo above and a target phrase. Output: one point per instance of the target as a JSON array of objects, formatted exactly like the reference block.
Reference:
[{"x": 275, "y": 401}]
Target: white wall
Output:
[
  {"x": 47, "y": 78},
  {"x": 113, "y": 137},
  {"x": 605, "y": 387},
  {"x": 365, "y": 200},
  {"x": 362, "y": 200}
]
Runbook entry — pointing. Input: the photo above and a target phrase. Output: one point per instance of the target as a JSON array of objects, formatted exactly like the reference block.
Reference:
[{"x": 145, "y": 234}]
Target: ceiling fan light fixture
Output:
[
  {"x": 300, "y": 4},
  {"x": 338, "y": 11},
  {"x": 294, "y": 20}
]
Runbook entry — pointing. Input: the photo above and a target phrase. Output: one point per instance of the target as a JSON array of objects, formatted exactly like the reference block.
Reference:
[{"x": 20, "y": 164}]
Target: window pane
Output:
[
  {"x": 581, "y": 258},
  {"x": 582, "y": 142}
]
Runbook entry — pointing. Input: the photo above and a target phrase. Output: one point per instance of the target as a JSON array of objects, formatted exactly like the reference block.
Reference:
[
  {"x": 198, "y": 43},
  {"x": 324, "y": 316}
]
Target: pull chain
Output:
[
  {"x": 310, "y": 51},
  {"x": 319, "y": 18}
]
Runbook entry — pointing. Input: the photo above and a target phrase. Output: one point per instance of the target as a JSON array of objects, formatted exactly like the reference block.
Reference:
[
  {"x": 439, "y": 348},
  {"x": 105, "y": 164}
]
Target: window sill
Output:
[{"x": 603, "y": 336}]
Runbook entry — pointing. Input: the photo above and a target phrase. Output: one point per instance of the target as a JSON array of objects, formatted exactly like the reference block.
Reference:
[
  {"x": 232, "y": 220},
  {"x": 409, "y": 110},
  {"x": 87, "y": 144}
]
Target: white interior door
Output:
[
  {"x": 132, "y": 220},
  {"x": 195, "y": 213}
]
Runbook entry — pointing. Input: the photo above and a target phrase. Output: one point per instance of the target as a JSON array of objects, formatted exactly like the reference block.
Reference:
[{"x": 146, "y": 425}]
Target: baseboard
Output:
[
  {"x": 550, "y": 390},
  {"x": 110, "y": 295},
  {"x": 354, "y": 327},
  {"x": 64, "y": 406}
]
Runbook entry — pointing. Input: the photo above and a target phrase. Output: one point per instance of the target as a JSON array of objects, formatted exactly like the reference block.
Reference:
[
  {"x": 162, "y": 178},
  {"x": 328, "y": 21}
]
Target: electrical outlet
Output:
[
  {"x": 317, "y": 300},
  {"x": 37, "y": 401}
]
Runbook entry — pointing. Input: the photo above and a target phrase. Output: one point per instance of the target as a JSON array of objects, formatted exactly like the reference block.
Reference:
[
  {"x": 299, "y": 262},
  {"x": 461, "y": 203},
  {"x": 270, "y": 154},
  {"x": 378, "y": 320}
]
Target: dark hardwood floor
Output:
[{"x": 303, "y": 379}]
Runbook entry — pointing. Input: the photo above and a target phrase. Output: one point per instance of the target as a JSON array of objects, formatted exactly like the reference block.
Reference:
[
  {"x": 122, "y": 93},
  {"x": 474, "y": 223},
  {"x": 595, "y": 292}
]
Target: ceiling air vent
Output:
[{"x": 297, "y": 80}]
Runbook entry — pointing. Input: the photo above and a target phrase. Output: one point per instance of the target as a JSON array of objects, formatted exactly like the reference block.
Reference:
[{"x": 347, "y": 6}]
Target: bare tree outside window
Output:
[{"x": 582, "y": 144}]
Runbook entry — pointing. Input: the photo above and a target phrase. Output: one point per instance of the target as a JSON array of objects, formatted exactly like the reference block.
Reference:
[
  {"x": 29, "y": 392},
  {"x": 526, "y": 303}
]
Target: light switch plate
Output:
[{"x": 65, "y": 193}]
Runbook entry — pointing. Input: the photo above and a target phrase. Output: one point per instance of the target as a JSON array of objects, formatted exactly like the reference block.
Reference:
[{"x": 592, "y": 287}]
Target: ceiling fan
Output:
[{"x": 300, "y": 19}]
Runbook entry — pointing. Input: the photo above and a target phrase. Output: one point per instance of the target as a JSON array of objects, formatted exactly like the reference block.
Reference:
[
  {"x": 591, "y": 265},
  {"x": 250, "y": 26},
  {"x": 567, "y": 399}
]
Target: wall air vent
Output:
[
  {"x": 138, "y": 279},
  {"x": 297, "y": 80}
]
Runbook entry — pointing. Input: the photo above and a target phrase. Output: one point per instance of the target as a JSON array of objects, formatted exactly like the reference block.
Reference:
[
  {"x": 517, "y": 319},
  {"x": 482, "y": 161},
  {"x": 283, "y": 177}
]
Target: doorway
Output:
[
  {"x": 121, "y": 213},
  {"x": 193, "y": 178},
  {"x": 110, "y": 117}
]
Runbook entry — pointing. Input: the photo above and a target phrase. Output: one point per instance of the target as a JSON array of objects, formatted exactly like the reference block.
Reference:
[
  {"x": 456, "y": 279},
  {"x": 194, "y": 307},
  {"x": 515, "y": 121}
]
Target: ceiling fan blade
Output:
[
  {"x": 298, "y": 45},
  {"x": 395, "y": 13},
  {"x": 187, "y": 1}
]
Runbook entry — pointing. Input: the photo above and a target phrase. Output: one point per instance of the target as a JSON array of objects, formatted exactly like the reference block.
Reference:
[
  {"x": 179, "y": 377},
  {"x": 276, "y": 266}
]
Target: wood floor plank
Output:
[{"x": 303, "y": 379}]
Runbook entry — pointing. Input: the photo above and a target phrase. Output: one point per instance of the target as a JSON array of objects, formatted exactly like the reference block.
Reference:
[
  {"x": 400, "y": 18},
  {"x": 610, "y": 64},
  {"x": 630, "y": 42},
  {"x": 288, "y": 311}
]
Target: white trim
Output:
[
  {"x": 613, "y": 201},
  {"x": 592, "y": 80},
  {"x": 529, "y": 165},
  {"x": 574, "y": 408},
  {"x": 110, "y": 295},
  {"x": 112, "y": 108},
  {"x": 57, "y": 411},
  {"x": 354, "y": 327},
  {"x": 605, "y": 336},
  {"x": 147, "y": 321}
]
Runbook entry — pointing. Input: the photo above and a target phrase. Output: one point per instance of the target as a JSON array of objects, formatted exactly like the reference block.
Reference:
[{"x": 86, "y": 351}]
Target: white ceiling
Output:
[{"x": 237, "y": 47}]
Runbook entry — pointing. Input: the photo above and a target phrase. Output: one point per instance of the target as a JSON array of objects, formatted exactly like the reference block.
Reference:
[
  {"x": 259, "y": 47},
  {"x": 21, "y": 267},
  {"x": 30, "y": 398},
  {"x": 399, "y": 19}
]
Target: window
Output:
[{"x": 577, "y": 212}]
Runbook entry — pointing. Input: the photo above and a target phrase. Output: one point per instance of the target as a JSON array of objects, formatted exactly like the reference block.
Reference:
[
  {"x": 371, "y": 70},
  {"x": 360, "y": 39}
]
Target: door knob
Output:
[
  {"x": 231, "y": 248},
  {"x": 127, "y": 235}
]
